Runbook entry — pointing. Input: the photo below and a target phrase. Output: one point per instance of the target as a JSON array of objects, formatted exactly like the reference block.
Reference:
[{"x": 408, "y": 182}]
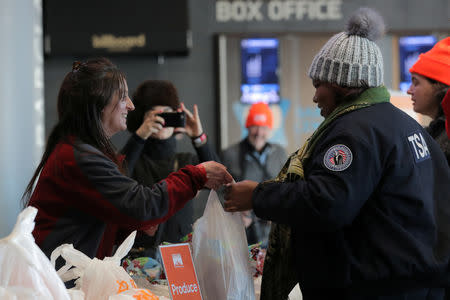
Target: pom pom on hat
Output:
[
  {"x": 435, "y": 63},
  {"x": 366, "y": 23},
  {"x": 259, "y": 114},
  {"x": 351, "y": 58}
]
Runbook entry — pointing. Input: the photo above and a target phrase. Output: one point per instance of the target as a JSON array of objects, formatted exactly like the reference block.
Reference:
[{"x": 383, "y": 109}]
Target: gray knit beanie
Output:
[{"x": 351, "y": 58}]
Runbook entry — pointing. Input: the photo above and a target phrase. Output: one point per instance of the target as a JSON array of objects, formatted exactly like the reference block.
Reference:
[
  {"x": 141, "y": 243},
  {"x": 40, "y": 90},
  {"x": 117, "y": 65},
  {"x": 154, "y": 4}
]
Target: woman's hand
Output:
[
  {"x": 152, "y": 123},
  {"x": 238, "y": 196},
  {"x": 193, "y": 124},
  {"x": 216, "y": 174}
]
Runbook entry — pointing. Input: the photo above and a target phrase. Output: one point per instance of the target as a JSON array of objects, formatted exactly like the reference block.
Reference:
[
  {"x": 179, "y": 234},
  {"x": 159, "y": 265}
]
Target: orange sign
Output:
[{"x": 180, "y": 272}]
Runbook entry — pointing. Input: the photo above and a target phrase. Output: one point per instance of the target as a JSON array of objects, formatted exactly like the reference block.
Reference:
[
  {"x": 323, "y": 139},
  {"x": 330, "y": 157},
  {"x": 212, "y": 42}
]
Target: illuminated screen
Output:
[
  {"x": 410, "y": 48},
  {"x": 259, "y": 64}
]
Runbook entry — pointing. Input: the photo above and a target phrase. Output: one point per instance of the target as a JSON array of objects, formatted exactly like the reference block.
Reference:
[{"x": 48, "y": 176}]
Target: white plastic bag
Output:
[
  {"x": 221, "y": 255},
  {"x": 98, "y": 279},
  {"x": 76, "y": 294},
  {"x": 25, "y": 271},
  {"x": 133, "y": 294},
  {"x": 19, "y": 293}
]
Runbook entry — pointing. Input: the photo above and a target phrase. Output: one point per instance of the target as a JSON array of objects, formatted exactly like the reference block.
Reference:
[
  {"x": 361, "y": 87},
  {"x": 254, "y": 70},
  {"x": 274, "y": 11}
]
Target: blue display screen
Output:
[
  {"x": 259, "y": 66},
  {"x": 410, "y": 48}
]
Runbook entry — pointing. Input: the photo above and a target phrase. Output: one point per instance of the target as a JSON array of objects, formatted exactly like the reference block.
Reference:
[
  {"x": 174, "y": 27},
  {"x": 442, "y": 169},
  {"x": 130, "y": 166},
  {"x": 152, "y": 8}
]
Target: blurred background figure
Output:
[
  {"x": 151, "y": 154},
  {"x": 430, "y": 81},
  {"x": 256, "y": 159}
]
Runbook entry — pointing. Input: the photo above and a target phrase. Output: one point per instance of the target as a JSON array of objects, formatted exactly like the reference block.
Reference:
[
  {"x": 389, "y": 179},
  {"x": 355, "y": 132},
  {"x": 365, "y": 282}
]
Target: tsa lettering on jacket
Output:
[{"x": 418, "y": 146}]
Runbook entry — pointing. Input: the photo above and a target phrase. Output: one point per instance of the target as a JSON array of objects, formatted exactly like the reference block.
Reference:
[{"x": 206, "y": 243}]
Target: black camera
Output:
[{"x": 174, "y": 119}]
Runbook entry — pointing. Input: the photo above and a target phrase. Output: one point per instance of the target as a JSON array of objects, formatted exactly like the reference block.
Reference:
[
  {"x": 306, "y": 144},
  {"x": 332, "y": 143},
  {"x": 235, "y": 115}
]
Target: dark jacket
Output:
[
  {"x": 381, "y": 221},
  {"x": 83, "y": 199},
  {"x": 437, "y": 130},
  {"x": 243, "y": 163}
]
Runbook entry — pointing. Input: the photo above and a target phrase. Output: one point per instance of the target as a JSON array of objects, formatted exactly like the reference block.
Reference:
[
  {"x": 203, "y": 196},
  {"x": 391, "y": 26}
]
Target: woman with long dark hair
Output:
[{"x": 82, "y": 195}]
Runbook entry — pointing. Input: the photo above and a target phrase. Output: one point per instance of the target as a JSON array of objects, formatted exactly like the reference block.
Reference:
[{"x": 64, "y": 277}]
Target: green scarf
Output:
[{"x": 279, "y": 275}]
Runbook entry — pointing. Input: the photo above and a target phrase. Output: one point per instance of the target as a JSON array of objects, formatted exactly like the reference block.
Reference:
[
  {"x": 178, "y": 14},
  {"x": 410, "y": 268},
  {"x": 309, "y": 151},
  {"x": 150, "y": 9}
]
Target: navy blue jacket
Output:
[{"x": 382, "y": 220}]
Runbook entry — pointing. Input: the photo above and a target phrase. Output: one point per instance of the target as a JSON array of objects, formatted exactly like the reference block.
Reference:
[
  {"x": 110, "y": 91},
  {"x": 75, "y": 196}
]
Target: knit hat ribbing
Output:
[
  {"x": 351, "y": 58},
  {"x": 259, "y": 114}
]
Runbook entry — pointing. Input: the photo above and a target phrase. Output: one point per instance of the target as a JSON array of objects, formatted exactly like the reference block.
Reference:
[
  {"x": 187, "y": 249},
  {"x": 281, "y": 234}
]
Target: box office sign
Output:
[
  {"x": 180, "y": 272},
  {"x": 275, "y": 10}
]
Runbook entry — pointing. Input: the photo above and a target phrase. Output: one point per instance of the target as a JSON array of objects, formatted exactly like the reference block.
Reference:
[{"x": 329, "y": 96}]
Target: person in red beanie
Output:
[
  {"x": 430, "y": 81},
  {"x": 254, "y": 158}
]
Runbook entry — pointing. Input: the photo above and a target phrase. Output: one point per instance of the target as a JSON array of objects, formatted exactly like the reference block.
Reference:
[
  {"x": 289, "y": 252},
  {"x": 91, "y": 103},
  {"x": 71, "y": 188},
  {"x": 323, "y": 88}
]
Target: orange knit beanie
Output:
[
  {"x": 435, "y": 64},
  {"x": 259, "y": 115}
]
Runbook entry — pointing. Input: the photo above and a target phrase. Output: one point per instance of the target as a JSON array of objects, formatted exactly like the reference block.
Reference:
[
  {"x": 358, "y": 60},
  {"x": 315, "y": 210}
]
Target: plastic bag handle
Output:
[
  {"x": 24, "y": 223},
  {"x": 123, "y": 249},
  {"x": 73, "y": 258},
  {"x": 21, "y": 235},
  {"x": 71, "y": 255}
]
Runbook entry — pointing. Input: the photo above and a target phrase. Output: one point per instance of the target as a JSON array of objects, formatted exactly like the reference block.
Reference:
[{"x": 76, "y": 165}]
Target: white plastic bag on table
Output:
[
  {"x": 76, "y": 294},
  {"x": 133, "y": 294},
  {"x": 221, "y": 255},
  {"x": 25, "y": 271},
  {"x": 98, "y": 279},
  {"x": 19, "y": 293}
]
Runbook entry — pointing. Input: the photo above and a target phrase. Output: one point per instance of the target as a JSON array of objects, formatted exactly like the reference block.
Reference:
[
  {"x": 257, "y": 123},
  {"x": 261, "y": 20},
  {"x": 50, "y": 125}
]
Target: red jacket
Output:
[{"x": 84, "y": 200}]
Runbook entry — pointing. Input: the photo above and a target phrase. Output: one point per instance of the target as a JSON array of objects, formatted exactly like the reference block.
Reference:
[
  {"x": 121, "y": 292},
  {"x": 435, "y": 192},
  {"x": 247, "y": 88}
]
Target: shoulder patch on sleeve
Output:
[
  {"x": 338, "y": 158},
  {"x": 418, "y": 146}
]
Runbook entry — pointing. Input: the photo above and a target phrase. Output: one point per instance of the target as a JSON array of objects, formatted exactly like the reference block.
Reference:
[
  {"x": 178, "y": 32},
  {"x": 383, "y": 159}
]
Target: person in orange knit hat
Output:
[
  {"x": 256, "y": 159},
  {"x": 430, "y": 77},
  {"x": 259, "y": 123}
]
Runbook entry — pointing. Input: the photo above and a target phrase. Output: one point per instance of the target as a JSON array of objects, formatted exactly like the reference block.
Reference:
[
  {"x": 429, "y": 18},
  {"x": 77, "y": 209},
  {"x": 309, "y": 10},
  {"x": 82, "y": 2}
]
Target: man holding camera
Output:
[{"x": 151, "y": 153}]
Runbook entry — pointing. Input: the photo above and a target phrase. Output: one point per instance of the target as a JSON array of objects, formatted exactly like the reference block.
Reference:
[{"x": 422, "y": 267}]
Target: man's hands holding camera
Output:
[
  {"x": 193, "y": 126},
  {"x": 151, "y": 124}
]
